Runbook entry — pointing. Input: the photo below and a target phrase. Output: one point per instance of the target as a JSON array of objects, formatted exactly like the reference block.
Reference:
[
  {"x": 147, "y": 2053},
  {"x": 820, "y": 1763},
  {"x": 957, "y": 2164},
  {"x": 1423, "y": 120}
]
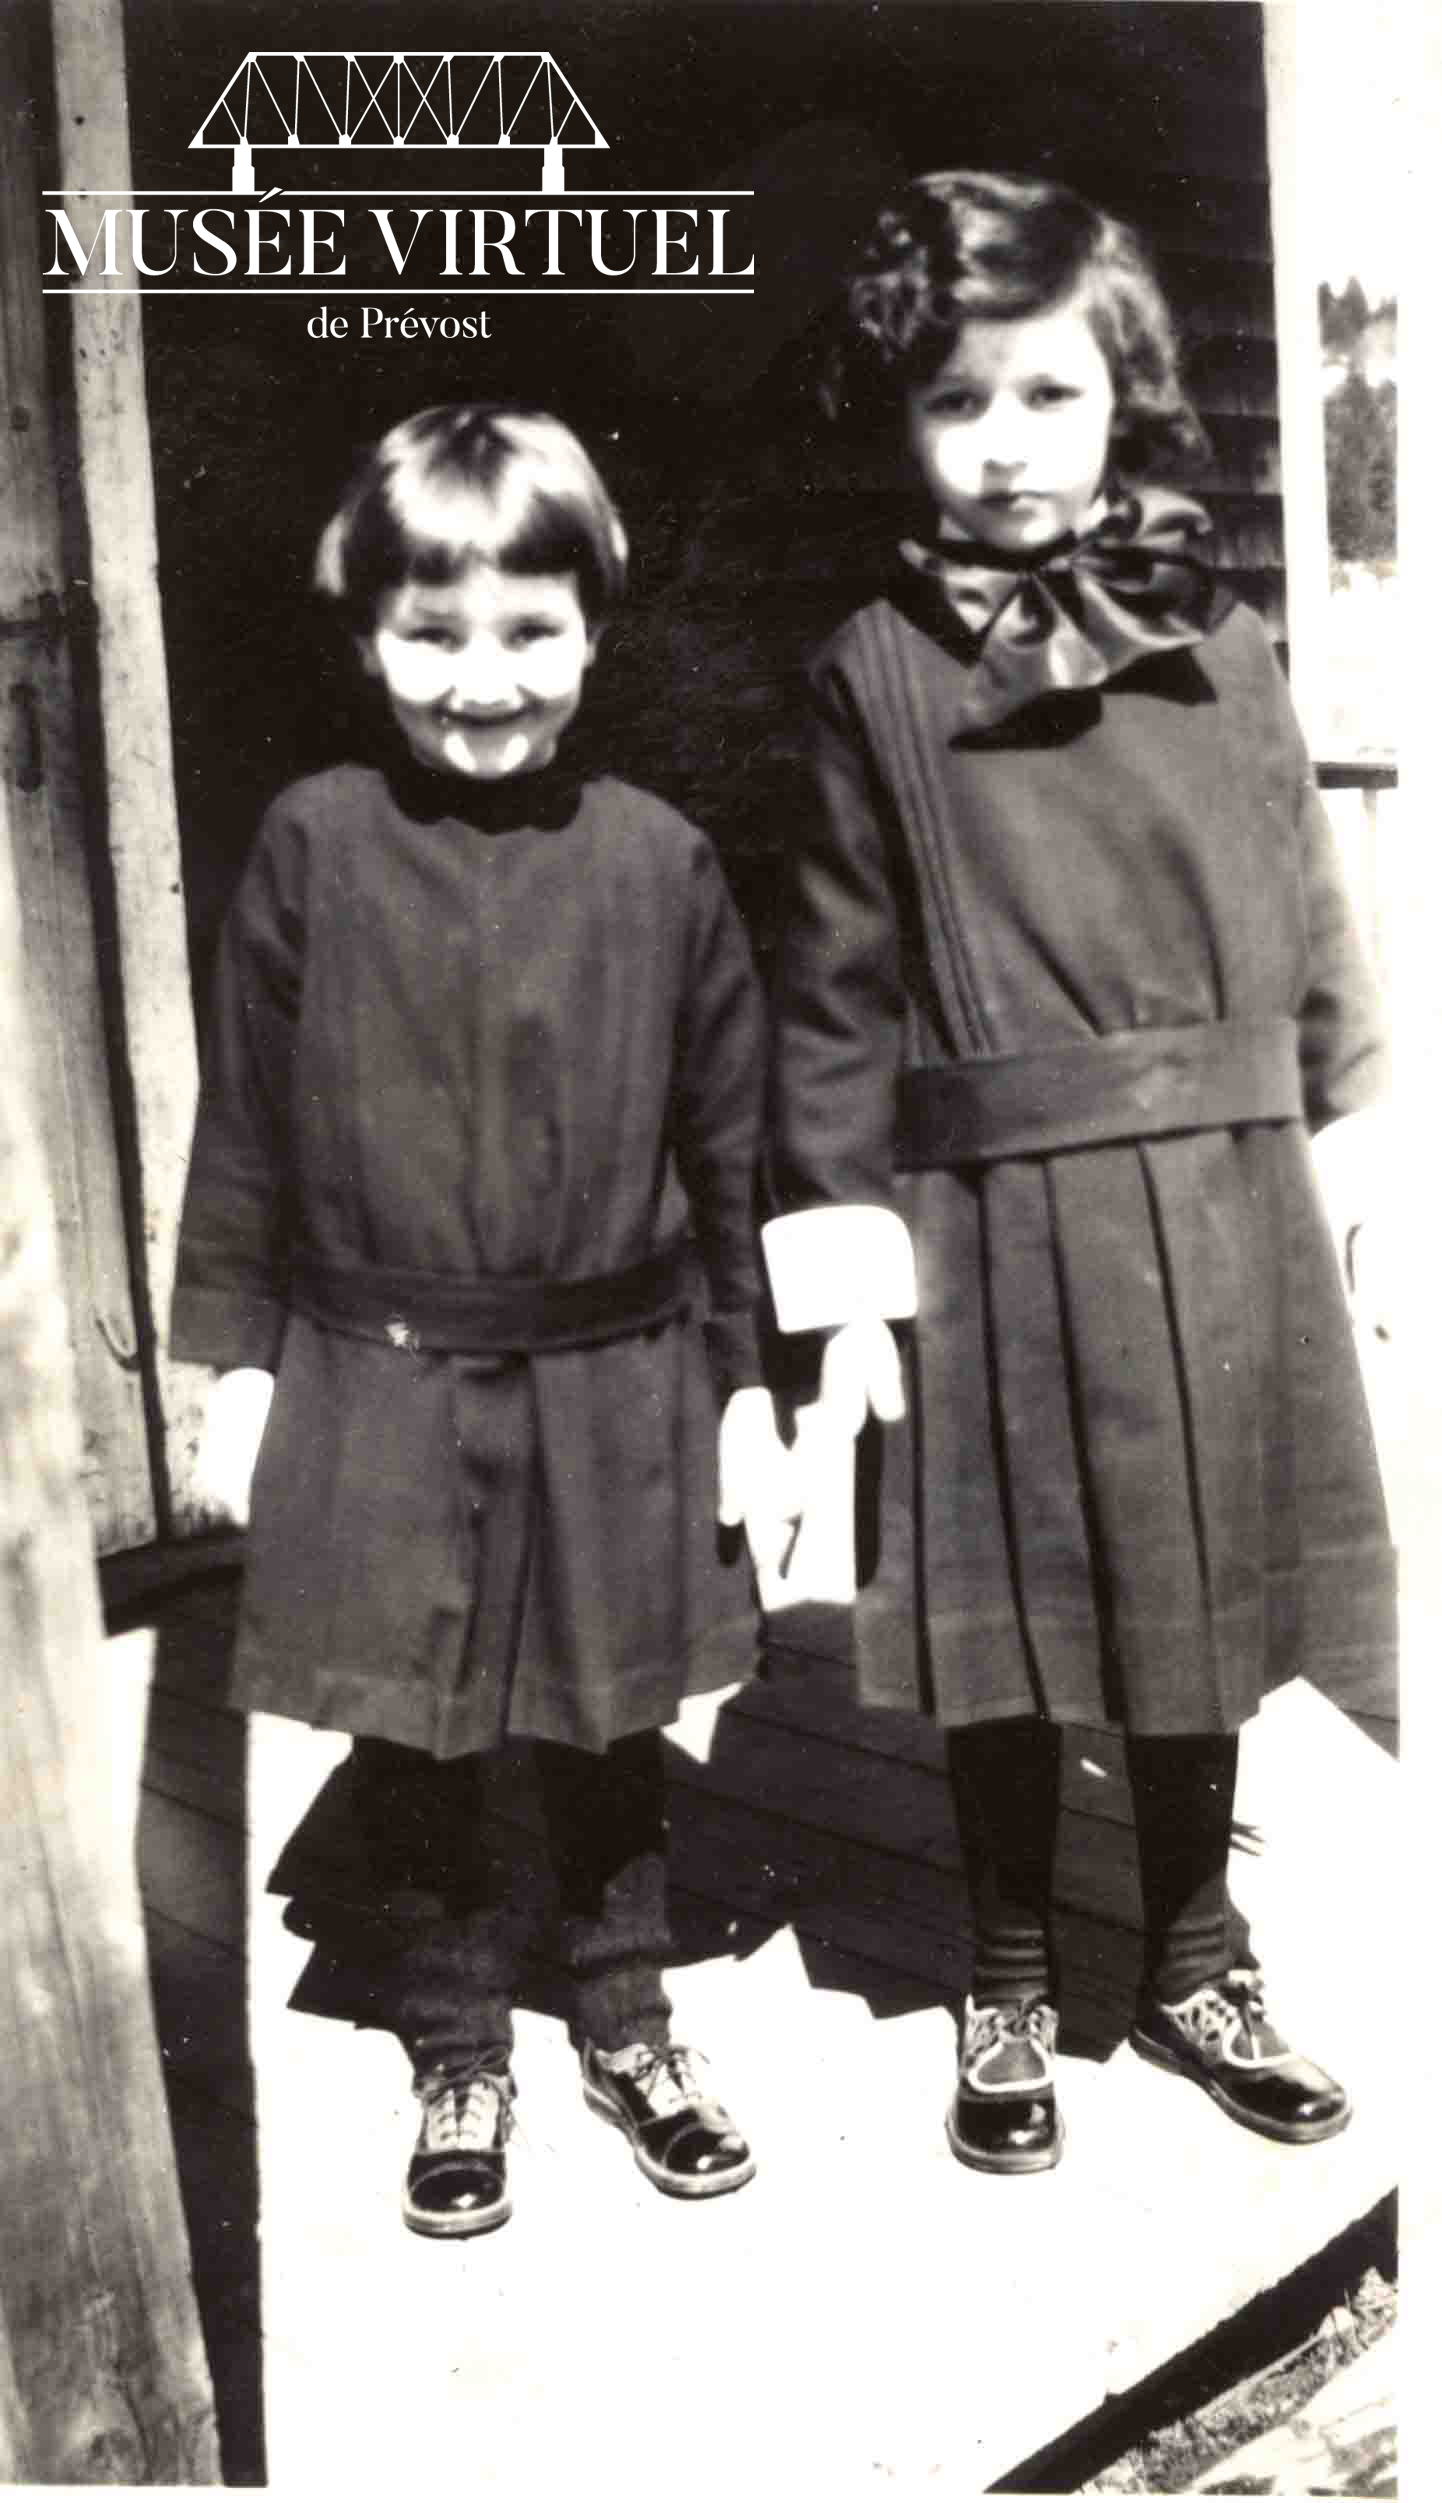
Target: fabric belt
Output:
[
  {"x": 426, "y": 1313},
  {"x": 1139, "y": 1084}
]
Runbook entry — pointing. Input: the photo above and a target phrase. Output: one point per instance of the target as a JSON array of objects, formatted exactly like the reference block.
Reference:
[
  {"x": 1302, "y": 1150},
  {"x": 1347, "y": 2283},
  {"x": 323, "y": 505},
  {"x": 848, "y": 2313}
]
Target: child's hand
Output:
[
  {"x": 235, "y": 1415},
  {"x": 861, "y": 1376},
  {"x": 759, "y": 1483},
  {"x": 1367, "y": 1269},
  {"x": 1356, "y": 1170}
]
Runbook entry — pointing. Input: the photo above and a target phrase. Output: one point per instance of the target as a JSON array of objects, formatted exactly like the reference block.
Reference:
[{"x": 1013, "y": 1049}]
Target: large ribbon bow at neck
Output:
[{"x": 1138, "y": 581}]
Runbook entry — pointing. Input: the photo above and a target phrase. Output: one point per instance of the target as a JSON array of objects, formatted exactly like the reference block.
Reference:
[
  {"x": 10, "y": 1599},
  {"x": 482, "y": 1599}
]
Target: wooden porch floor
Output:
[{"x": 867, "y": 2317}]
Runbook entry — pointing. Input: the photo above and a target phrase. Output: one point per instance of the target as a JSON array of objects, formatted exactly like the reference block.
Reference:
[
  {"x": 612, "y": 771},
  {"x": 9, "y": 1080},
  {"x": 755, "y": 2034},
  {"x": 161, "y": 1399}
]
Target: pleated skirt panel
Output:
[{"x": 1137, "y": 1482}]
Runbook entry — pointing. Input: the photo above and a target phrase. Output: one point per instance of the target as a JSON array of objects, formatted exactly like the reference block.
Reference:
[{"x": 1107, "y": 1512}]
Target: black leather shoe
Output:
[
  {"x": 681, "y": 2138},
  {"x": 1223, "y": 2039},
  {"x": 456, "y": 2183},
  {"x": 1003, "y": 2116}
]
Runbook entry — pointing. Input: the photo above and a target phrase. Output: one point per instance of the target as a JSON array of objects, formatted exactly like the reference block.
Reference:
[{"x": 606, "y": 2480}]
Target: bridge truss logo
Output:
[{"x": 442, "y": 100}]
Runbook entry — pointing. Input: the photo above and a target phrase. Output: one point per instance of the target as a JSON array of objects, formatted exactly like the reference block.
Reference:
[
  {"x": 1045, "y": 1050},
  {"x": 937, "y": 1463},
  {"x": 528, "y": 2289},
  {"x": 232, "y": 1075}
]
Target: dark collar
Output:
[{"x": 547, "y": 798}]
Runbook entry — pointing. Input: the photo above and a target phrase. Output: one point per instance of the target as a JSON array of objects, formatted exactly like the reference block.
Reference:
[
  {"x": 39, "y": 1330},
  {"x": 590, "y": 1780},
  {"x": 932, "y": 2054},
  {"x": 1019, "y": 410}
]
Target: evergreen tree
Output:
[
  {"x": 1343, "y": 318},
  {"x": 1361, "y": 449}
]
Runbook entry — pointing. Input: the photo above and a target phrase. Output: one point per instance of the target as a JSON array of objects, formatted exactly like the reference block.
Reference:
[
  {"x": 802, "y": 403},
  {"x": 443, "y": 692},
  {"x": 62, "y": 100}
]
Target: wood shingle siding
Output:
[{"x": 1246, "y": 456}]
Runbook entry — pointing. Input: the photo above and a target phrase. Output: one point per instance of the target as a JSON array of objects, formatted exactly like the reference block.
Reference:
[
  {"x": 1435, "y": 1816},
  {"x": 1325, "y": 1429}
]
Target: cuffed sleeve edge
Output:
[
  {"x": 226, "y": 1329},
  {"x": 828, "y": 1266}
]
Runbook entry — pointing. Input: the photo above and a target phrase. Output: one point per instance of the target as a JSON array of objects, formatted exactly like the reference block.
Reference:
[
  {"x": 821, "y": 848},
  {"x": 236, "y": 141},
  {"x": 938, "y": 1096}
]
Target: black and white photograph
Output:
[{"x": 719, "y": 1358}]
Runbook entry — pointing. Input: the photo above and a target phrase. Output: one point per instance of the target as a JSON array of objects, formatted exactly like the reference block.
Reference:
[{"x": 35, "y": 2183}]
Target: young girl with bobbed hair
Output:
[
  {"x": 1068, "y": 980},
  {"x": 472, "y": 1195}
]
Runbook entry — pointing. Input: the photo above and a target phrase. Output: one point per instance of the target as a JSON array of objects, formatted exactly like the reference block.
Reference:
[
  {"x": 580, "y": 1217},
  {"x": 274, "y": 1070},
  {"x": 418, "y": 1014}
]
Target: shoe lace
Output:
[
  {"x": 1212, "y": 2011},
  {"x": 469, "y": 2119},
  {"x": 1011, "y": 2021},
  {"x": 1246, "y": 1988},
  {"x": 666, "y": 2077}
]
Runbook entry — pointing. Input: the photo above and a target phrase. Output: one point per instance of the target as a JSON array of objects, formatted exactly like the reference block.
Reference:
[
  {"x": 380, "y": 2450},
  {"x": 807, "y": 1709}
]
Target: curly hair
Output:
[
  {"x": 465, "y": 484},
  {"x": 959, "y": 247}
]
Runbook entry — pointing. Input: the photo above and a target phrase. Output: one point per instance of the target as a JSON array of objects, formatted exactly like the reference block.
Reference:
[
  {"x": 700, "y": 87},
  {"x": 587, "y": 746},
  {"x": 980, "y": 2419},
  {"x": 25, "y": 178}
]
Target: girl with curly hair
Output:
[{"x": 1068, "y": 980}]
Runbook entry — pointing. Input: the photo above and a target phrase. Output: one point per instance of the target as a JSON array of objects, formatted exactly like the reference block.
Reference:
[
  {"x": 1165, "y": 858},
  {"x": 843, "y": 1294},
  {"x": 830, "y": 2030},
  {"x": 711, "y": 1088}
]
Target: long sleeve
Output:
[
  {"x": 229, "y": 1307},
  {"x": 1343, "y": 1033},
  {"x": 1343, "y": 1038},
  {"x": 839, "y": 1249},
  {"x": 839, "y": 999},
  {"x": 716, "y": 1118}
]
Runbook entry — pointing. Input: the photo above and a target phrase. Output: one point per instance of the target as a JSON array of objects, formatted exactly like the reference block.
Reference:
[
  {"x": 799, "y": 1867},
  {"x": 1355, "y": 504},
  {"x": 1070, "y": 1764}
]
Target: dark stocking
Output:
[
  {"x": 606, "y": 1821},
  {"x": 1183, "y": 1791},
  {"x": 1006, "y": 1783}
]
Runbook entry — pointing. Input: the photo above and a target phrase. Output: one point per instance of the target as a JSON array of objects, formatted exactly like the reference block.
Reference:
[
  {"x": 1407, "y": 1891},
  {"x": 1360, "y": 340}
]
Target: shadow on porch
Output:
[{"x": 867, "y": 2314}]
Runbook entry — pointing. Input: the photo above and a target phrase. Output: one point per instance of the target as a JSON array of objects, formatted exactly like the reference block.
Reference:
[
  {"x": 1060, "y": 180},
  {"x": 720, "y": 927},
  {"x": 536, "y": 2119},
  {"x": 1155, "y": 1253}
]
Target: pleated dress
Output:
[{"x": 1136, "y": 1483}]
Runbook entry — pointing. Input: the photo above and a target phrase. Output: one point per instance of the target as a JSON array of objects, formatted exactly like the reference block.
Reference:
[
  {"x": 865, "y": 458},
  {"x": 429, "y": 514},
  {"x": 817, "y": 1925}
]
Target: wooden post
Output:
[
  {"x": 1293, "y": 155},
  {"x": 48, "y": 833},
  {"x": 1415, "y": 896},
  {"x": 103, "y": 2378},
  {"x": 142, "y": 834}
]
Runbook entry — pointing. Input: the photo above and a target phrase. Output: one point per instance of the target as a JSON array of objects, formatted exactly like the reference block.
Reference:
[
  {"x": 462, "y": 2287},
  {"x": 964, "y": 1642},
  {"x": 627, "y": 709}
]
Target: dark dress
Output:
[
  {"x": 1136, "y": 1483},
  {"x": 508, "y": 1032}
]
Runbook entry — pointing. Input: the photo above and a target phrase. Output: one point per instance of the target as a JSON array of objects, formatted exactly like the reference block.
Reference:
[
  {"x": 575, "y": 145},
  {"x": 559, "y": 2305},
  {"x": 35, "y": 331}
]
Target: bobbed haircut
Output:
[
  {"x": 473, "y": 483},
  {"x": 959, "y": 247}
]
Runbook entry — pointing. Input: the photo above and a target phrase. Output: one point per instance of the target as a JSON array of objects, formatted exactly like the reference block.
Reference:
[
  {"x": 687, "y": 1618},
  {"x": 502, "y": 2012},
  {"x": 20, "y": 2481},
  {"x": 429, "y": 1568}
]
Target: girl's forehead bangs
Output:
[
  {"x": 1005, "y": 298},
  {"x": 525, "y": 510},
  {"x": 444, "y": 522}
]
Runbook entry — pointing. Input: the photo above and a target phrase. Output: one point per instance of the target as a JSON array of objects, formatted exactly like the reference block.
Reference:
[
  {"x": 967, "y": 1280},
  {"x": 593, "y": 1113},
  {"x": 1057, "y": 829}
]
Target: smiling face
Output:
[
  {"x": 482, "y": 674},
  {"x": 1011, "y": 435}
]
